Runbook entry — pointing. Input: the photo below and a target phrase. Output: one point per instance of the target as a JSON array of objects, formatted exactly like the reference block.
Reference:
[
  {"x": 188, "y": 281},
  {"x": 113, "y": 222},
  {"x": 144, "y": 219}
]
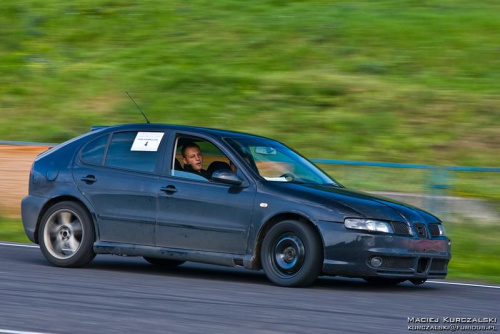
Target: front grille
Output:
[
  {"x": 395, "y": 263},
  {"x": 421, "y": 230},
  {"x": 400, "y": 228},
  {"x": 422, "y": 265},
  {"x": 409, "y": 265},
  {"x": 438, "y": 265},
  {"x": 434, "y": 229}
]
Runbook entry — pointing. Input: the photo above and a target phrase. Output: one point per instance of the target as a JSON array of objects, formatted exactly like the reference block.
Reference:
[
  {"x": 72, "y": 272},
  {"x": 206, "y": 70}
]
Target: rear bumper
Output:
[
  {"x": 349, "y": 253},
  {"x": 30, "y": 211}
]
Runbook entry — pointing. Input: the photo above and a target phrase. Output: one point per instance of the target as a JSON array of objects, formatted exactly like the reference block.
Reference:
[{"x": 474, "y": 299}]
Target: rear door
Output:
[{"x": 119, "y": 174}]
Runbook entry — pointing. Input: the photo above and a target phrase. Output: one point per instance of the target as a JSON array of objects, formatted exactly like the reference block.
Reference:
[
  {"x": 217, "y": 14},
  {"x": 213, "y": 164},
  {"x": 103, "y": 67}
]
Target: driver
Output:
[{"x": 193, "y": 160}]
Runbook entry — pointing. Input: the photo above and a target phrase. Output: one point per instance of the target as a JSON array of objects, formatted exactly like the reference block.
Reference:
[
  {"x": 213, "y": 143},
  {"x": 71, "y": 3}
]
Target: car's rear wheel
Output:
[
  {"x": 291, "y": 254},
  {"x": 164, "y": 263},
  {"x": 66, "y": 235}
]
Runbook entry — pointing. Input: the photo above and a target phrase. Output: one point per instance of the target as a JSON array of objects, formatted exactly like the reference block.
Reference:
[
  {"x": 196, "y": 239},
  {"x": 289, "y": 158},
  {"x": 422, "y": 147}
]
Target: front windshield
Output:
[{"x": 277, "y": 163}]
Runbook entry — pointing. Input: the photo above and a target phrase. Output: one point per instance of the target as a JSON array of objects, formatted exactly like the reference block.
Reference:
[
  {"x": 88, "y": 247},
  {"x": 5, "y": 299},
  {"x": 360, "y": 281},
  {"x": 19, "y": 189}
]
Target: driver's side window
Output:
[{"x": 197, "y": 159}]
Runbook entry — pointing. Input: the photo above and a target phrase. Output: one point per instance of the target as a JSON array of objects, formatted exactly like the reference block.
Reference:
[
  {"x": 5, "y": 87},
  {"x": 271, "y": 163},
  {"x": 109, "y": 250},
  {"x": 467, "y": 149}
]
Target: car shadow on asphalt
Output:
[
  {"x": 241, "y": 275},
  {"x": 189, "y": 270}
]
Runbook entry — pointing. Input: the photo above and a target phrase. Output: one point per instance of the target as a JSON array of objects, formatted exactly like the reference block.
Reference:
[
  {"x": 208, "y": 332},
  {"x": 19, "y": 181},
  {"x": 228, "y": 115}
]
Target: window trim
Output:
[
  {"x": 106, "y": 145},
  {"x": 217, "y": 142}
]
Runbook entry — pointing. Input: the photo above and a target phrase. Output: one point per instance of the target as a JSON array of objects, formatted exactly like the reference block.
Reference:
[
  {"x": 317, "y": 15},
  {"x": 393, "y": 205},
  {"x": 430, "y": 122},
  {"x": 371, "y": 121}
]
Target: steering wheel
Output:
[{"x": 288, "y": 176}]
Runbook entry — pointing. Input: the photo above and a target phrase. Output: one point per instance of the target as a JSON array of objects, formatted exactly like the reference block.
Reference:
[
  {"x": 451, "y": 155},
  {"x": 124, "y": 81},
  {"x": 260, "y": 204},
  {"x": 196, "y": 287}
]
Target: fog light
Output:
[{"x": 376, "y": 261}]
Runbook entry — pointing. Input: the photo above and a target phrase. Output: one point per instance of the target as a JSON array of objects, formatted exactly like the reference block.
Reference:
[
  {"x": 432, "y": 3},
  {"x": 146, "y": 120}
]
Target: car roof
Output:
[{"x": 160, "y": 126}]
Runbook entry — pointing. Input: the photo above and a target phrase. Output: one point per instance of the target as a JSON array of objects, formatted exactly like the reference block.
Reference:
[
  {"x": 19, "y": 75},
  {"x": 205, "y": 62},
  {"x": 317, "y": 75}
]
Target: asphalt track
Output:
[{"x": 127, "y": 295}]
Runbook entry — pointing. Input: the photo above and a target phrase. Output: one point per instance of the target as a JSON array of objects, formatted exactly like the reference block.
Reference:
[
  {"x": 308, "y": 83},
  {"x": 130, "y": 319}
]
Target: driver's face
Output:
[{"x": 193, "y": 158}]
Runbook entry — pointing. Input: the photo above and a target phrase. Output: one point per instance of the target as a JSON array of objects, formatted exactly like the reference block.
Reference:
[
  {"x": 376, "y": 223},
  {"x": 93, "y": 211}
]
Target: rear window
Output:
[
  {"x": 130, "y": 150},
  {"x": 93, "y": 152}
]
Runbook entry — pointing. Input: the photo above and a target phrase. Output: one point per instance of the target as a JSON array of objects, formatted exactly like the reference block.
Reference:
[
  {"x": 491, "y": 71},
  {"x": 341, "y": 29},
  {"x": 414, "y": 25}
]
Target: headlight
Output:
[
  {"x": 442, "y": 232},
  {"x": 368, "y": 225}
]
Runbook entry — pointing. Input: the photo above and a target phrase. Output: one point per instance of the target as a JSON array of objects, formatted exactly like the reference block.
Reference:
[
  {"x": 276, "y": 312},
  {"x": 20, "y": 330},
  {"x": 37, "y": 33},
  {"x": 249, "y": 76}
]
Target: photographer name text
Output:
[{"x": 451, "y": 320}]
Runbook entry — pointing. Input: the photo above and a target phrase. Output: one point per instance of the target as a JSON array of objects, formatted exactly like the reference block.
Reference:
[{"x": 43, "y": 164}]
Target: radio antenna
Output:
[{"x": 147, "y": 120}]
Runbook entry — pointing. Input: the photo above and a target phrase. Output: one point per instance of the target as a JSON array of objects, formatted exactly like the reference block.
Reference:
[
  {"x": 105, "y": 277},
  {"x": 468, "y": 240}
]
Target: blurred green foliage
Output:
[
  {"x": 475, "y": 251},
  {"x": 411, "y": 81},
  {"x": 398, "y": 81}
]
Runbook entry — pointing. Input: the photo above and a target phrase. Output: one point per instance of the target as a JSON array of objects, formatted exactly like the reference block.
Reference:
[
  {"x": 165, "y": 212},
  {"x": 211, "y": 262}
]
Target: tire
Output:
[
  {"x": 381, "y": 281},
  {"x": 66, "y": 235},
  {"x": 292, "y": 254},
  {"x": 164, "y": 263}
]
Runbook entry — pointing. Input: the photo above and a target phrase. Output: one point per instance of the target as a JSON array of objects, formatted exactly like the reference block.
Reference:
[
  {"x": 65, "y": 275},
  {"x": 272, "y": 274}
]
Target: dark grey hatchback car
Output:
[{"x": 138, "y": 190}]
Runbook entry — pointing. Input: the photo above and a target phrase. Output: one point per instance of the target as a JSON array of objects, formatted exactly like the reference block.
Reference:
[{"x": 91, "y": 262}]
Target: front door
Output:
[{"x": 195, "y": 213}]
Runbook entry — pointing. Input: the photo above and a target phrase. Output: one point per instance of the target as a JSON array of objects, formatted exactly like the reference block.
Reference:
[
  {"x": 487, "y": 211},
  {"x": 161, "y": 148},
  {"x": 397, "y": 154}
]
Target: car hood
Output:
[{"x": 349, "y": 202}]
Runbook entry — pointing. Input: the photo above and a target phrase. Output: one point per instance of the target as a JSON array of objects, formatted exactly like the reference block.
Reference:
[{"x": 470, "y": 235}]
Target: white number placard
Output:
[{"x": 147, "y": 141}]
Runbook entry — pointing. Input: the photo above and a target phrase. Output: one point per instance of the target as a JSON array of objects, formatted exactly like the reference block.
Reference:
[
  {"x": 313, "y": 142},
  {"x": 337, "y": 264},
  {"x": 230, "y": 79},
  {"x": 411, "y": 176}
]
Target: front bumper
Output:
[{"x": 349, "y": 253}]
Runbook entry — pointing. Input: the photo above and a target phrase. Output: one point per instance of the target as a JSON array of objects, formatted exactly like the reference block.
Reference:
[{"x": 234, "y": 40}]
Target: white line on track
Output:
[
  {"x": 7, "y": 331},
  {"x": 18, "y": 245},
  {"x": 466, "y": 284},
  {"x": 435, "y": 282}
]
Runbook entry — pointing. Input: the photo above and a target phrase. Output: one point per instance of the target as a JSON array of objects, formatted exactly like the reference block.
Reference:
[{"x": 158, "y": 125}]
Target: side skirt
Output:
[{"x": 222, "y": 259}]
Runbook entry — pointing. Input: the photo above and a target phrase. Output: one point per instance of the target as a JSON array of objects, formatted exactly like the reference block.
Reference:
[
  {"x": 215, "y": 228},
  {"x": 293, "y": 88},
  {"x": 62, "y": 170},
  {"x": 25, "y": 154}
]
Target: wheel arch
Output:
[
  {"x": 59, "y": 199},
  {"x": 272, "y": 221}
]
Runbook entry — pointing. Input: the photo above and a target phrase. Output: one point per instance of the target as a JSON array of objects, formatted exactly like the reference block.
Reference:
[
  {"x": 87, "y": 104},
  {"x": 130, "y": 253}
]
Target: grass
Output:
[
  {"x": 399, "y": 81},
  {"x": 476, "y": 252},
  {"x": 475, "y": 249},
  {"x": 12, "y": 230}
]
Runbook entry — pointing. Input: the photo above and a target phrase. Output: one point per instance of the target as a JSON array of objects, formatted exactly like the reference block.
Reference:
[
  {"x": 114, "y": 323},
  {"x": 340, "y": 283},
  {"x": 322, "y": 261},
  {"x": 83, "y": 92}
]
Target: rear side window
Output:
[
  {"x": 130, "y": 150},
  {"x": 93, "y": 152}
]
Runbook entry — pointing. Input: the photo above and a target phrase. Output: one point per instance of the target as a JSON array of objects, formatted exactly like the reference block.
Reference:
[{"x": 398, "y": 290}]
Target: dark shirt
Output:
[{"x": 202, "y": 172}]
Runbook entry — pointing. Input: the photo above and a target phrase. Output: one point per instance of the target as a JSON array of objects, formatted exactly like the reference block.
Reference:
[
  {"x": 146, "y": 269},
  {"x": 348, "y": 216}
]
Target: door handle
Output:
[
  {"x": 89, "y": 179},
  {"x": 169, "y": 189}
]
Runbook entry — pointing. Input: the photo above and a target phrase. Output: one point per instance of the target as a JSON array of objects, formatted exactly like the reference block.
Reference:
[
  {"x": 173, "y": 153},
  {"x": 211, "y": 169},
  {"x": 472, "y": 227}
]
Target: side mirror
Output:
[{"x": 226, "y": 176}]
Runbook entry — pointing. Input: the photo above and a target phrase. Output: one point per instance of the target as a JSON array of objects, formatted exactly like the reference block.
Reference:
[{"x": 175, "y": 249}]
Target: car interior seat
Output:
[
  {"x": 217, "y": 165},
  {"x": 177, "y": 165}
]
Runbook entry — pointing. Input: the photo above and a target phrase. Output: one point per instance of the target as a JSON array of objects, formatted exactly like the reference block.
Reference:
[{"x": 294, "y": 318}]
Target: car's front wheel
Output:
[
  {"x": 66, "y": 235},
  {"x": 291, "y": 254}
]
